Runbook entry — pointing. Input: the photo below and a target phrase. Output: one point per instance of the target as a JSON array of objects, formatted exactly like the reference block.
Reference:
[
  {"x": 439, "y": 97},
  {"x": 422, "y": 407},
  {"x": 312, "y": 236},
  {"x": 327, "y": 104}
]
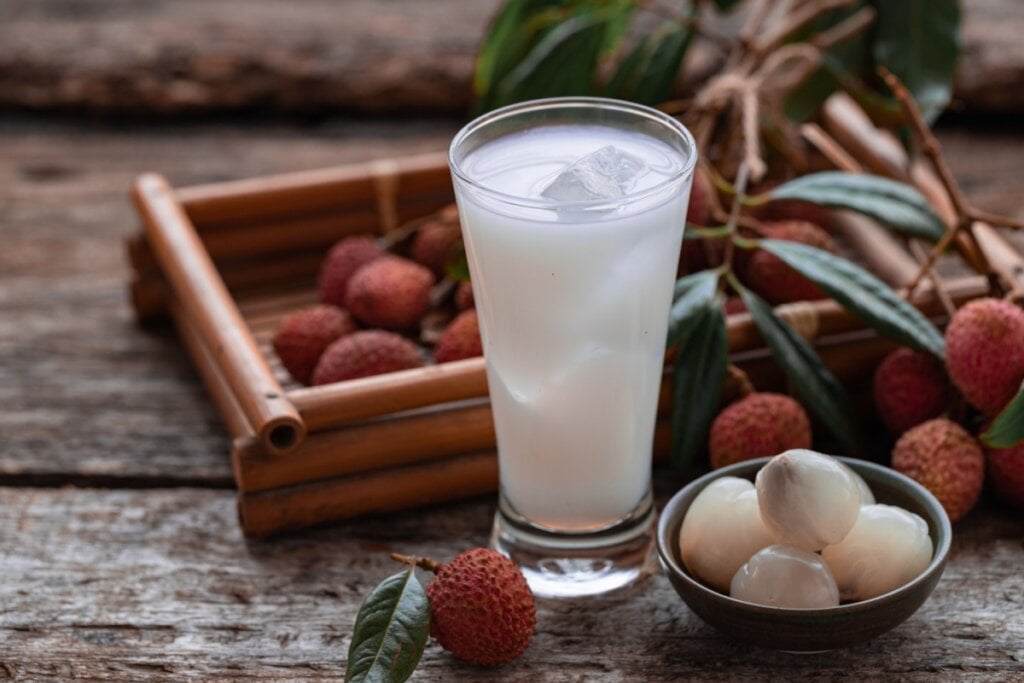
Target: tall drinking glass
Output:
[{"x": 573, "y": 212}]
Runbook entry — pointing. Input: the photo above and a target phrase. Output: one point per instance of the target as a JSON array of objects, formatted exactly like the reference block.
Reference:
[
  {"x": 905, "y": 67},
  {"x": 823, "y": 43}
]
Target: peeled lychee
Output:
[
  {"x": 807, "y": 499},
  {"x": 758, "y": 425},
  {"x": 909, "y": 388},
  {"x": 461, "y": 339},
  {"x": 721, "y": 530},
  {"x": 305, "y": 334},
  {"x": 433, "y": 244},
  {"x": 464, "y": 299},
  {"x": 985, "y": 352},
  {"x": 1006, "y": 473},
  {"x": 941, "y": 456},
  {"x": 785, "y": 576},
  {"x": 391, "y": 293},
  {"x": 481, "y": 608},
  {"x": 346, "y": 257},
  {"x": 774, "y": 280},
  {"x": 372, "y": 352},
  {"x": 887, "y": 547}
]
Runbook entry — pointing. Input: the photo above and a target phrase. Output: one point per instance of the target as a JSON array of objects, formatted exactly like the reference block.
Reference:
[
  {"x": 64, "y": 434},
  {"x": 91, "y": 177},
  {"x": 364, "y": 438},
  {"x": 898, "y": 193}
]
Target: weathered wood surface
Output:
[
  {"x": 159, "y": 585},
  {"x": 145, "y": 576},
  {"x": 322, "y": 56}
]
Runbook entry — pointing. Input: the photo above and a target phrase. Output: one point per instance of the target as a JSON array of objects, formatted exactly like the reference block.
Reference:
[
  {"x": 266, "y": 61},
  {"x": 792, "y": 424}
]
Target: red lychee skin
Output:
[
  {"x": 985, "y": 353},
  {"x": 700, "y": 254},
  {"x": 734, "y": 304},
  {"x": 481, "y": 608},
  {"x": 346, "y": 257},
  {"x": 941, "y": 456},
  {"x": 433, "y": 244},
  {"x": 758, "y": 425},
  {"x": 909, "y": 388},
  {"x": 698, "y": 211},
  {"x": 1005, "y": 473},
  {"x": 461, "y": 339},
  {"x": 391, "y": 293},
  {"x": 305, "y": 334},
  {"x": 464, "y": 299},
  {"x": 774, "y": 280},
  {"x": 794, "y": 210},
  {"x": 362, "y": 354}
]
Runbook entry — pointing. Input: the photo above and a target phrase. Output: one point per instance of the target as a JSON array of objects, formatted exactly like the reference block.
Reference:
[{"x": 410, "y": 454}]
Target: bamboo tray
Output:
[{"x": 227, "y": 261}]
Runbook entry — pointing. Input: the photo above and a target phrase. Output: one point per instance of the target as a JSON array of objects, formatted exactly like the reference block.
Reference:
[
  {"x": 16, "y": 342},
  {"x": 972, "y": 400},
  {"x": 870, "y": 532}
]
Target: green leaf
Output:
[
  {"x": 514, "y": 31},
  {"x": 862, "y": 294},
  {"x": 1007, "y": 429},
  {"x": 648, "y": 73},
  {"x": 697, "y": 381},
  {"x": 457, "y": 265},
  {"x": 892, "y": 203},
  {"x": 820, "y": 392},
  {"x": 919, "y": 41},
  {"x": 692, "y": 293},
  {"x": 390, "y": 632},
  {"x": 562, "y": 63}
]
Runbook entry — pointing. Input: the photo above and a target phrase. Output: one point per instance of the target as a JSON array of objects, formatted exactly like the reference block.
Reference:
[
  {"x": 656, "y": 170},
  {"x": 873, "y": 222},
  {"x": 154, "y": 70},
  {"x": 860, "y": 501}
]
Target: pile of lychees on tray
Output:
[{"x": 373, "y": 301}]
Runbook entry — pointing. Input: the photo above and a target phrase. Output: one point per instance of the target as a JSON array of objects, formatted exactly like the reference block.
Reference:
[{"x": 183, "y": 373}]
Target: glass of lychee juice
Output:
[{"x": 572, "y": 212}]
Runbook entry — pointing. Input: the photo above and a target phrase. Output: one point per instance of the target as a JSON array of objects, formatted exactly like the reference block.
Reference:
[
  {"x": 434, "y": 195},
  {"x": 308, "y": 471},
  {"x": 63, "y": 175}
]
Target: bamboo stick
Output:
[
  {"x": 244, "y": 201},
  {"x": 206, "y": 300},
  {"x": 886, "y": 256},
  {"x": 294, "y": 507}
]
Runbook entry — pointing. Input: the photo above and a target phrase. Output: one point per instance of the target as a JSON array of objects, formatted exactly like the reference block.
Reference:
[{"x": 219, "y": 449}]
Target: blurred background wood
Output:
[{"x": 318, "y": 57}]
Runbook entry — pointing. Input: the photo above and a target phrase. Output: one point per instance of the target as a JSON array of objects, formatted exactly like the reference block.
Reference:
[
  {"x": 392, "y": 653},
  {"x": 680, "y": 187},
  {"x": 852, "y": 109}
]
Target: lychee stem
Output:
[
  {"x": 421, "y": 562},
  {"x": 742, "y": 379}
]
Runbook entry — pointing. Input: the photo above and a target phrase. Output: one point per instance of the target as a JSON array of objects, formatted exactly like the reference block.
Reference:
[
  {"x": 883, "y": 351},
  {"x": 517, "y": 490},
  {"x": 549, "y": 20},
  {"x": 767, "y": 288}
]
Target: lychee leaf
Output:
[
  {"x": 390, "y": 632},
  {"x": 862, "y": 294},
  {"x": 697, "y": 379},
  {"x": 692, "y": 294},
  {"x": 819, "y": 391},
  {"x": 648, "y": 73},
  {"x": 1007, "y": 430},
  {"x": 894, "y": 204}
]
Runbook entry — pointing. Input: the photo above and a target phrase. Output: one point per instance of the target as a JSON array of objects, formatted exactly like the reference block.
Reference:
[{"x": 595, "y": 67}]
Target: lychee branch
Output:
[{"x": 424, "y": 563}]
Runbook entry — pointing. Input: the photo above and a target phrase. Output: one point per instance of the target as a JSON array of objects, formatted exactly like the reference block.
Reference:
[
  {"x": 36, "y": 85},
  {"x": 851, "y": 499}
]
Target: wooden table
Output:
[{"x": 120, "y": 557}]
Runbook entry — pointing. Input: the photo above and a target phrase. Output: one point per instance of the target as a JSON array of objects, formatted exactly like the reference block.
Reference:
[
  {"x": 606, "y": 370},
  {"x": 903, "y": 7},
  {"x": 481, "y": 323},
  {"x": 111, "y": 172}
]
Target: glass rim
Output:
[{"x": 606, "y": 103}]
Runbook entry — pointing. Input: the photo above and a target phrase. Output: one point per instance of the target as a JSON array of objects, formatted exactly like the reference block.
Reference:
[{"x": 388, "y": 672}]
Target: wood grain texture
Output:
[
  {"x": 159, "y": 585},
  {"x": 321, "y": 56}
]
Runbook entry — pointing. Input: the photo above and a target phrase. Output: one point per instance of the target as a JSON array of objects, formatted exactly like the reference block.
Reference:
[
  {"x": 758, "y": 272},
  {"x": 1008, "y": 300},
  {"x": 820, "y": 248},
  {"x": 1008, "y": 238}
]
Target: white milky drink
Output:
[{"x": 573, "y": 268}]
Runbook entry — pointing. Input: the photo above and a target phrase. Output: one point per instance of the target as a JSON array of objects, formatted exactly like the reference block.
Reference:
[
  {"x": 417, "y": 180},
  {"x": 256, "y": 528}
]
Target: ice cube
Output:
[{"x": 607, "y": 173}]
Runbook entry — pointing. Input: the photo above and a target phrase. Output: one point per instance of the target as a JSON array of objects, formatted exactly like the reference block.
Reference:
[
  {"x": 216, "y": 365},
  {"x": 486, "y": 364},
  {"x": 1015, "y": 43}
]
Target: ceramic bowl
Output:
[{"x": 808, "y": 630}]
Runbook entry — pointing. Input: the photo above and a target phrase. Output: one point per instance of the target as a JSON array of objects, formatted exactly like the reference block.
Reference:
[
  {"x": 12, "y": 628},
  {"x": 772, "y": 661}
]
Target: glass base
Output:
[{"x": 569, "y": 565}]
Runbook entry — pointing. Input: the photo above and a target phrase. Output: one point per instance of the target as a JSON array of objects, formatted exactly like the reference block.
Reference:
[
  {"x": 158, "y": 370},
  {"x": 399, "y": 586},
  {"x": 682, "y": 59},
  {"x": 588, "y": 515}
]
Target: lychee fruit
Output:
[
  {"x": 481, "y": 608},
  {"x": 909, "y": 388},
  {"x": 985, "y": 353},
  {"x": 391, "y": 293},
  {"x": 461, "y": 339},
  {"x": 433, "y": 244},
  {"x": 941, "y": 456},
  {"x": 346, "y": 257},
  {"x": 1005, "y": 473},
  {"x": 361, "y": 354},
  {"x": 464, "y": 299},
  {"x": 770, "y": 277},
  {"x": 794, "y": 210},
  {"x": 304, "y": 335},
  {"x": 758, "y": 425},
  {"x": 700, "y": 254},
  {"x": 698, "y": 211}
]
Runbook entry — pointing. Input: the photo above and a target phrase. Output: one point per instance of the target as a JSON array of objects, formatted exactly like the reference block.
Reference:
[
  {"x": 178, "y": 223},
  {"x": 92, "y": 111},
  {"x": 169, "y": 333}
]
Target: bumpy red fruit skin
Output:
[
  {"x": 433, "y": 244},
  {"x": 985, "y": 353},
  {"x": 909, "y": 387},
  {"x": 1005, "y": 473},
  {"x": 342, "y": 261},
  {"x": 392, "y": 293},
  {"x": 698, "y": 211},
  {"x": 758, "y": 425},
  {"x": 464, "y": 299},
  {"x": 941, "y": 456},
  {"x": 481, "y": 608},
  {"x": 774, "y": 280},
  {"x": 371, "y": 352},
  {"x": 461, "y": 339},
  {"x": 305, "y": 334}
]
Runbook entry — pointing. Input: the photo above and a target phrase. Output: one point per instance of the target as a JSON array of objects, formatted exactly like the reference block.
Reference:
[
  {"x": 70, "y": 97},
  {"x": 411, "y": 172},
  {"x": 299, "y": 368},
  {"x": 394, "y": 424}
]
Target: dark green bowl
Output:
[{"x": 808, "y": 630}]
